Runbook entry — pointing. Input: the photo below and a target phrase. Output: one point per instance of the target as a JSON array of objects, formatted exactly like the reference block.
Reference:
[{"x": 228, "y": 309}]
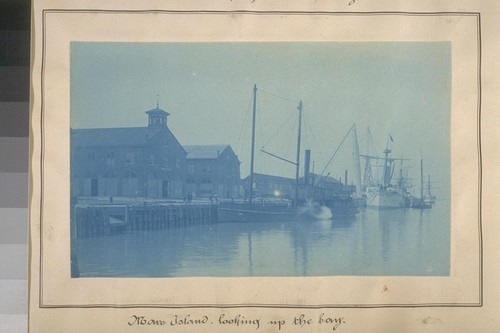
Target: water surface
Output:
[{"x": 407, "y": 242}]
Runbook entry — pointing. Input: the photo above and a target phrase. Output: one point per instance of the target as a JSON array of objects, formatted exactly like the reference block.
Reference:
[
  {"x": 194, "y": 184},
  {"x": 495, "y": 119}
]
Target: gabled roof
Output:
[
  {"x": 261, "y": 176},
  {"x": 123, "y": 136},
  {"x": 324, "y": 179},
  {"x": 204, "y": 151}
]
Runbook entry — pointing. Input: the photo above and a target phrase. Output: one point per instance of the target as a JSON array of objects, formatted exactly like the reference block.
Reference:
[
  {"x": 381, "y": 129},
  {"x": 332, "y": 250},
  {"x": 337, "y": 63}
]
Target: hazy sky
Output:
[{"x": 399, "y": 88}]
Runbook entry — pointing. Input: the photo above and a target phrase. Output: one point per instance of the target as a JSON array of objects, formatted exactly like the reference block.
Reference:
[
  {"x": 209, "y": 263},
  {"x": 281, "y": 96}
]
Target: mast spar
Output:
[
  {"x": 421, "y": 179},
  {"x": 252, "y": 155},
  {"x": 357, "y": 168},
  {"x": 298, "y": 155},
  {"x": 429, "y": 186}
]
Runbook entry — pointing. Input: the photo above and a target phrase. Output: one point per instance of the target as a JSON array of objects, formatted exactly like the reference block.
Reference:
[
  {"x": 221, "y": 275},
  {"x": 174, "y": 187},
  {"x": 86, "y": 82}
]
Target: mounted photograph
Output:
[
  {"x": 258, "y": 163},
  {"x": 260, "y": 159}
]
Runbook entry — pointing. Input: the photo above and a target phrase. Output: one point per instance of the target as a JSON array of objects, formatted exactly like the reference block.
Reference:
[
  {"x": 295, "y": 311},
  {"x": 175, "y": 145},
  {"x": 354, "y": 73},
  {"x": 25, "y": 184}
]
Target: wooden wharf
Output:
[{"x": 105, "y": 219}]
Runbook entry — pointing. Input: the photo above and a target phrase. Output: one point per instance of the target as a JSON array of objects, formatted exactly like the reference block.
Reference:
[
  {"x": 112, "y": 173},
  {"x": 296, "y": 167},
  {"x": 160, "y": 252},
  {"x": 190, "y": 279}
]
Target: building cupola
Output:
[{"x": 157, "y": 117}]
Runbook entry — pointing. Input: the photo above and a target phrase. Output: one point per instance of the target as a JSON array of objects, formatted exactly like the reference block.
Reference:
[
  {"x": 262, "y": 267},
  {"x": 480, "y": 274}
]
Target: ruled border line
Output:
[{"x": 249, "y": 12}]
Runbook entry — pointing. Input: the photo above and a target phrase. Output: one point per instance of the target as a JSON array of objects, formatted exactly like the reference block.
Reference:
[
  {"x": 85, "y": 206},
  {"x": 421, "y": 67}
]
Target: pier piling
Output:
[{"x": 100, "y": 220}]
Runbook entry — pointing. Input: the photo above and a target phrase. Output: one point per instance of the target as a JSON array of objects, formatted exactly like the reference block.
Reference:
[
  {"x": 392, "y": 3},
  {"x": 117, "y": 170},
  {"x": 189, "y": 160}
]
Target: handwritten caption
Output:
[{"x": 239, "y": 320}]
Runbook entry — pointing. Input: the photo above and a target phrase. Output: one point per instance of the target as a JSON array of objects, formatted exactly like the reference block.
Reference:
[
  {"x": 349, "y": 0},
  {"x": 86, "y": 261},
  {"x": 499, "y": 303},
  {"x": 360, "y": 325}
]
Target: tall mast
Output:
[
  {"x": 253, "y": 142},
  {"x": 421, "y": 179},
  {"x": 401, "y": 171},
  {"x": 429, "y": 186},
  {"x": 368, "y": 176},
  {"x": 357, "y": 169},
  {"x": 386, "y": 180},
  {"x": 298, "y": 155}
]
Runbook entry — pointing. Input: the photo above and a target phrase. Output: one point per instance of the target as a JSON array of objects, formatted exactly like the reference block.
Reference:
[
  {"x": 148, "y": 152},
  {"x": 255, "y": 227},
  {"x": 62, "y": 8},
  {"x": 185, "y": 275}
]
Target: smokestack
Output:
[
  {"x": 345, "y": 178},
  {"x": 307, "y": 162}
]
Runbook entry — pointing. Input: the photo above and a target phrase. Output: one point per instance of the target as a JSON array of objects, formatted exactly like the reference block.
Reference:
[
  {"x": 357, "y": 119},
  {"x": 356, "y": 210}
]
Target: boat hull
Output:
[
  {"x": 421, "y": 204},
  {"x": 256, "y": 213},
  {"x": 233, "y": 212},
  {"x": 344, "y": 208},
  {"x": 385, "y": 199}
]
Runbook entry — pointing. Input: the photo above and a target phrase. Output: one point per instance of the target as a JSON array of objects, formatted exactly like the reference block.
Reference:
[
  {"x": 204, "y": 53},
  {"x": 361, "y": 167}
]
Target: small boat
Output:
[
  {"x": 429, "y": 197},
  {"x": 423, "y": 202}
]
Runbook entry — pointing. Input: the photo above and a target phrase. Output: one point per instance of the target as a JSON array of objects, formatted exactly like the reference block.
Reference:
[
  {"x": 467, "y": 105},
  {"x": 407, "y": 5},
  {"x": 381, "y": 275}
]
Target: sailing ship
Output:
[
  {"x": 340, "y": 202},
  {"x": 424, "y": 202},
  {"x": 306, "y": 206},
  {"x": 429, "y": 197},
  {"x": 262, "y": 211}
]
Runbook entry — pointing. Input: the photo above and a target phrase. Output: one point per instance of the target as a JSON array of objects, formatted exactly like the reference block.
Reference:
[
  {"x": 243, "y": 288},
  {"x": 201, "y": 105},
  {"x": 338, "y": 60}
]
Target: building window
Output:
[
  {"x": 206, "y": 181},
  {"x": 110, "y": 158},
  {"x": 165, "y": 156},
  {"x": 130, "y": 158},
  {"x": 91, "y": 157},
  {"x": 191, "y": 169},
  {"x": 109, "y": 174},
  {"x": 151, "y": 159},
  {"x": 178, "y": 163},
  {"x": 130, "y": 174}
]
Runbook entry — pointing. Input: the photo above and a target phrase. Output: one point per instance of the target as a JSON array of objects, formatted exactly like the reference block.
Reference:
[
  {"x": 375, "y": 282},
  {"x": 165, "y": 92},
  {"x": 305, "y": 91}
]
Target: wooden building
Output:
[
  {"x": 325, "y": 187},
  {"x": 145, "y": 162},
  {"x": 269, "y": 185},
  {"x": 212, "y": 170}
]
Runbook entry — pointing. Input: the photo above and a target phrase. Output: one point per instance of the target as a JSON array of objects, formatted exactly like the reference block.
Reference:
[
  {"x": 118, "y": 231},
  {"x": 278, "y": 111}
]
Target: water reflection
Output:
[{"x": 396, "y": 242}]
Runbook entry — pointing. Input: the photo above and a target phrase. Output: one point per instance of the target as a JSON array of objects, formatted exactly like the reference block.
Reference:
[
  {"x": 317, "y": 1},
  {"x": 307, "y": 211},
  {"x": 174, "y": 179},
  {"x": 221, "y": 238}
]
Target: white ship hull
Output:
[{"x": 379, "y": 198}]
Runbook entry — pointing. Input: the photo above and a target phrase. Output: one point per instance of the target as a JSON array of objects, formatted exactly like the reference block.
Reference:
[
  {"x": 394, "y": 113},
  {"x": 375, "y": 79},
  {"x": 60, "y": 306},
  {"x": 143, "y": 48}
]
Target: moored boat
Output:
[
  {"x": 379, "y": 197},
  {"x": 424, "y": 202},
  {"x": 302, "y": 206},
  {"x": 383, "y": 194},
  {"x": 262, "y": 211}
]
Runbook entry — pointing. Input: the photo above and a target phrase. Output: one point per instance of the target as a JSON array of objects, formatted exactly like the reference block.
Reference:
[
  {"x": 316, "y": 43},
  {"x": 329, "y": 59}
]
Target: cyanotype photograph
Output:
[{"x": 287, "y": 159}]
